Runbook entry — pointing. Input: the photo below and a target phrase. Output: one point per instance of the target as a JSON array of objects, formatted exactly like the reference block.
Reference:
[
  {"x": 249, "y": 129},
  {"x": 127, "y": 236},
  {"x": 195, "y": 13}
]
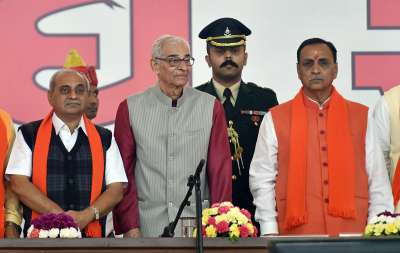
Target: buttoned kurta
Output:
[{"x": 269, "y": 170}]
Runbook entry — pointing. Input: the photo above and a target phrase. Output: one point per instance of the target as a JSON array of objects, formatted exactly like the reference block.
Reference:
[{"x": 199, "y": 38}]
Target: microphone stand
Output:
[
  {"x": 193, "y": 181},
  {"x": 199, "y": 236}
]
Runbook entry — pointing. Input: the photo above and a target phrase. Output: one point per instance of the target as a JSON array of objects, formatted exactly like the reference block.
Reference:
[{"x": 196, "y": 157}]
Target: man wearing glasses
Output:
[
  {"x": 75, "y": 61},
  {"x": 162, "y": 134},
  {"x": 65, "y": 163},
  {"x": 245, "y": 103}
]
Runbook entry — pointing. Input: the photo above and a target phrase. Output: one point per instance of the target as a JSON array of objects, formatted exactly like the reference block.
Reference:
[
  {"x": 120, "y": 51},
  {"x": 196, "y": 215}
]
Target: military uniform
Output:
[
  {"x": 245, "y": 104},
  {"x": 251, "y": 104}
]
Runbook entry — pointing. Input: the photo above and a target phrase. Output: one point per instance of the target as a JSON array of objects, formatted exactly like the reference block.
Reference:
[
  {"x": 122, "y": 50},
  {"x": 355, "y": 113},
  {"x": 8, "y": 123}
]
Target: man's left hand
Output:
[
  {"x": 82, "y": 218},
  {"x": 11, "y": 230}
]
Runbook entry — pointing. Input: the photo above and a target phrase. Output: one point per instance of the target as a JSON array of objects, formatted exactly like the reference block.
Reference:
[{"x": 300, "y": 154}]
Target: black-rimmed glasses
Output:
[{"x": 176, "y": 61}]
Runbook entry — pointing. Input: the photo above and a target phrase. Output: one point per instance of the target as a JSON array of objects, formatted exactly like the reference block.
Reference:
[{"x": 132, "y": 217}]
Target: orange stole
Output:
[
  {"x": 4, "y": 145},
  {"x": 317, "y": 182},
  {"x": 40, "y": 154},
  {"x": 396, "y": 184}
]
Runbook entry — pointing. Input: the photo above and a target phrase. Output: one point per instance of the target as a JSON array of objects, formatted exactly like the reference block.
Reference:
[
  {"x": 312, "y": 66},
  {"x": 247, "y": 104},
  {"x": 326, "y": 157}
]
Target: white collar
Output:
[
  {"x": 321, "y": 106},
  {"x": 59, "y": 124}
]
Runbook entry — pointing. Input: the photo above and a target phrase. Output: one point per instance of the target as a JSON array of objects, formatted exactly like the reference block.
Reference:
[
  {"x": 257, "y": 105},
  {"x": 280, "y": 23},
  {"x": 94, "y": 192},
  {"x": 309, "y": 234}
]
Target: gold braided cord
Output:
[
  {"x": 233, "y": 44},
  {"x": 227, "y": 37}
]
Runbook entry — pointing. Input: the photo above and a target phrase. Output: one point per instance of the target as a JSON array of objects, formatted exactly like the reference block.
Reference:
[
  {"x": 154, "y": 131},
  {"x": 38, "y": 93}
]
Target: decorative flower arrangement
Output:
[
  {"x": 53, "y": 225},
  {"x": 225, "y": 220},
  {"x": 383, "y": 224}
]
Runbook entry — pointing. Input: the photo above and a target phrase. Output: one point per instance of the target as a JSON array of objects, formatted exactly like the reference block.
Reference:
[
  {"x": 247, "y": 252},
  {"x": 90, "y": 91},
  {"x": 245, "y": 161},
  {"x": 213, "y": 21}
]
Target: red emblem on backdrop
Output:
[
  {"x": 378, "y": 70},
  {"x": 26, "y": 50}
]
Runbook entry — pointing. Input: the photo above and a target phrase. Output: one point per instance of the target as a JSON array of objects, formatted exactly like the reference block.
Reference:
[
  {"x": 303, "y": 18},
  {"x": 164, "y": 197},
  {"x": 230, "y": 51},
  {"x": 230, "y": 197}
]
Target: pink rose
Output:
[
  {"x": 215, "y": 205},
  {"x": 222, "y": 227},
  {"x": 244, "y": 232},
  {"x": 223, "y": 209},
  {"x": 246, "y": 213},
  {"x": 211, "y": 220}
]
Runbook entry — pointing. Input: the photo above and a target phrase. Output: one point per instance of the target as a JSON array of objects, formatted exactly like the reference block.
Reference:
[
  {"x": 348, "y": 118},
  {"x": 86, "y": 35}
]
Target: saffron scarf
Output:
[
  {"x": 5, "y": 142},
  {"x": 396, "y": 185},
  {"x": 341, "y": 163},
  {"x": 40, "y": 154}
]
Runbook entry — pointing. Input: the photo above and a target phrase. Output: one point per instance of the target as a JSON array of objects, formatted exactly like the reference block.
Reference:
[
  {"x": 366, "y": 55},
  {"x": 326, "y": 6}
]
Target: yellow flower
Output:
[
  {"x": 204, "y": 219},
  {"x": 242, "y": 219},
  {"x": 391, "y": 228},
  {"x": 231, "y": 216},
  {"x": 222, "y": 217},
  {"x": 235, "y": 210},
  {"x": 369, "y": 229},
  {"x": 378, "y": 229},
  {"x": 250, "y": 227},
  {"x": 211, "y": 231},
  {"x": 234, "y": 231},
  {"x": 210, "y": 211},
  {"x": 214, "y": 211}
]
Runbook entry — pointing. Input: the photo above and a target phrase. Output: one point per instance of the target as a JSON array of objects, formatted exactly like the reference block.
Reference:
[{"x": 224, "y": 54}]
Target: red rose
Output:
[
  {"x": 222, "y": 227},
  {"x": 211, "y": 220},
  {"x": 203, "y": 230},
  {"x": 244, "y": 232},
  {"x": 246, "y": 213},
  {"x": 223, "y": 209}
]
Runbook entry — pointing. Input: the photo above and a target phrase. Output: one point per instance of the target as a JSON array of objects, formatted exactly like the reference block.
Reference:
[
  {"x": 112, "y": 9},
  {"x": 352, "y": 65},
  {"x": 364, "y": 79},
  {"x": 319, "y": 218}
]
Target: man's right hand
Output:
[{"x": 133, "y": 233}]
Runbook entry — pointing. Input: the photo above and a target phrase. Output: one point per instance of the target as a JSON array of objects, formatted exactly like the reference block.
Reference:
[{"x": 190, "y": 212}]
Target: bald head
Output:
[{"x": 62, "y": 72}]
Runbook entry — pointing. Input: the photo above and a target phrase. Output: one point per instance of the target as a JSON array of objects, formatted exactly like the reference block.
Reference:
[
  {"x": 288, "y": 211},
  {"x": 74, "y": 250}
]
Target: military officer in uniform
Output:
[{"x": 245, "y": 104}]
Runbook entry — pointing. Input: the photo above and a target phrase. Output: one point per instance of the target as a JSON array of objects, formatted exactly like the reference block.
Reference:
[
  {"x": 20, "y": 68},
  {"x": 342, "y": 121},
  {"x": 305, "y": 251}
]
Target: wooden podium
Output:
[
  {"x": 145, "y": 245},
  {"x": 181, "y": 245}
]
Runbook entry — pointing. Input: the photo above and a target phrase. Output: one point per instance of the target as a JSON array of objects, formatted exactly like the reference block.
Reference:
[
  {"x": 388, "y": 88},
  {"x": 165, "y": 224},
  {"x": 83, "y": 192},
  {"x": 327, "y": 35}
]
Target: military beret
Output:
[{"x": 225, "y": 32}]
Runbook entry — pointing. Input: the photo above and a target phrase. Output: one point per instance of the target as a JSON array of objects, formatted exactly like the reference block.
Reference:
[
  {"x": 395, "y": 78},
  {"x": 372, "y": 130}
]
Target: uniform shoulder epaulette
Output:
[
  {"x": 253, "y": 85},
  {"x": 202, "y": 86},
  {"x": 250, "y": 84}
]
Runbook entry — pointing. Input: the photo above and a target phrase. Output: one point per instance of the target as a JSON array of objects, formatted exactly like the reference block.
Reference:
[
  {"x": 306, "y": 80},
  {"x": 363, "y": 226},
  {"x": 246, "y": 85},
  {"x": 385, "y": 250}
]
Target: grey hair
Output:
[
  {"x": 157, "y": 49},
  {"x": 62, "y": 71}
]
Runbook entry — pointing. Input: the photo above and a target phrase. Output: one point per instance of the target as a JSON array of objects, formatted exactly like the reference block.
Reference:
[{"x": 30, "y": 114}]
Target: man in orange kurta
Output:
[{"x": 316, "y": 168}]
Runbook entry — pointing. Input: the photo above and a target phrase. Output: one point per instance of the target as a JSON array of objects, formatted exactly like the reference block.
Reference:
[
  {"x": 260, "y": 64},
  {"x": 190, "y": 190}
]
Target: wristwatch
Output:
[{"x": 96, "y": 212}]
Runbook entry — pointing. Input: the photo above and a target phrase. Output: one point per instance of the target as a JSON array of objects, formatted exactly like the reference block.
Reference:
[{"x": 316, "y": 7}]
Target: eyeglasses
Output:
[
  {"x": 176, "y": 61},
  {"x": 79, "y": 90}
]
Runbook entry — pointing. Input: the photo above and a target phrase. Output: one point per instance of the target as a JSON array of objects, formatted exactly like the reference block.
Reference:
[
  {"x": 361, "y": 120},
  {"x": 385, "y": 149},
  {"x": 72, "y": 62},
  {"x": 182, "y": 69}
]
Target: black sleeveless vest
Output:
[{"x": 69, "y": 174}]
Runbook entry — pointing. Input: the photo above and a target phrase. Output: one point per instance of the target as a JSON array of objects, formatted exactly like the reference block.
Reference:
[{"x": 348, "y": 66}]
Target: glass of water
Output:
[{"x": 188, "y": 225}]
